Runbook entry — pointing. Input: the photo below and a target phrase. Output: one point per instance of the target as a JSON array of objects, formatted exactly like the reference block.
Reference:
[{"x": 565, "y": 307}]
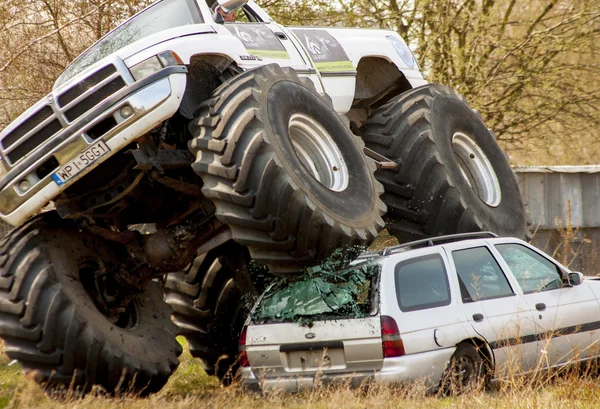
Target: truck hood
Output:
[{"x": 137, "y": 47}]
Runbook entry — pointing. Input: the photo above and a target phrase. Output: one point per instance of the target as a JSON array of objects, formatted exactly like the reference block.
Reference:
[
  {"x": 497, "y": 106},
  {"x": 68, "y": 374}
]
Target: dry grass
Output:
[{"x": 190, "y": 387}]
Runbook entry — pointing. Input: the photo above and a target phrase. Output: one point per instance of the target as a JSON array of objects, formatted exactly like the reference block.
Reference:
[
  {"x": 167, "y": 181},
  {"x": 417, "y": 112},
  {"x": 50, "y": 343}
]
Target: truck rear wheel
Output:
[
  {"x": 210, "y": 302},
  {"x": 452, "y": 175},
  {"x": 52, "y": 323},
  {"x": 283, "y": 171}
]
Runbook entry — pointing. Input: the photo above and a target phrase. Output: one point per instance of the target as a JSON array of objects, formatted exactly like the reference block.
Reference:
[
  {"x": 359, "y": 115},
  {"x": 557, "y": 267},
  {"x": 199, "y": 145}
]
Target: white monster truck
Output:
[{"x": 231, "y": 140}]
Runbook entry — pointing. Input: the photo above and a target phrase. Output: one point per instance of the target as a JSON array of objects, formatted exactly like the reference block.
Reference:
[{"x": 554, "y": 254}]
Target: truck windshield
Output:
[
  {"x": 160, "y": 16},
  {"x": 323, "y": 295}
]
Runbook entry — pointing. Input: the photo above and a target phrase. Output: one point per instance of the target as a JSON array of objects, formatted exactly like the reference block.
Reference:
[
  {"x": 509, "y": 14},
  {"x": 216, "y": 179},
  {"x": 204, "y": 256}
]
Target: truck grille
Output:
[
  {"x": 95, "y": 98},
  {"x": 70, "y": 105},
  {"x": 34, "y": 141},
  {"x": 36, "y": 119},
  {"x": 72, "y": 93}
]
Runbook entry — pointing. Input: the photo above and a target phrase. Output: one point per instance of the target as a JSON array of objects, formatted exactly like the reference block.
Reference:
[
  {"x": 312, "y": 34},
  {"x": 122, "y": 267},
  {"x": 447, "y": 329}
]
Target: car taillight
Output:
[
  {"x": 243, "y": 356},
  {"x": 390, "y": 336}
]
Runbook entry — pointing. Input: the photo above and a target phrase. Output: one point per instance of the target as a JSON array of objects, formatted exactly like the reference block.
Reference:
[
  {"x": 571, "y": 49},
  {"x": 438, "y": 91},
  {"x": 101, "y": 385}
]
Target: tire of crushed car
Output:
[
  {"x": 210, "y": 302},
  {"x": 452, "y": 177},
  {"x": 254, "y": 140},
  {"x": 52, "y": 327},
  {"x": 467, "y": 371}
]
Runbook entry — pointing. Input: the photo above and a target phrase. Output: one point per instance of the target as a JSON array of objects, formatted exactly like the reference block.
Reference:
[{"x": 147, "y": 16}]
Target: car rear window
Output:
[
  {"x": 349, "y": 293},
  {"x": 422, "y": 283}
]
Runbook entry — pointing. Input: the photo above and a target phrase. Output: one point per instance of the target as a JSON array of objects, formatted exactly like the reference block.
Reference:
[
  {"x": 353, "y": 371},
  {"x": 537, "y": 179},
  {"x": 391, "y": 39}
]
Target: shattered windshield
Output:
[
  {"x": 160, "y": 16},
  {"x": 321, "y": 294}
]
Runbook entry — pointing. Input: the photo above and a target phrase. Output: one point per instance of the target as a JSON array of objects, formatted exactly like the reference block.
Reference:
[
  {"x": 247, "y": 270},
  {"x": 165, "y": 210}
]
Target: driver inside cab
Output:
[{"x": 227, "y": 17}]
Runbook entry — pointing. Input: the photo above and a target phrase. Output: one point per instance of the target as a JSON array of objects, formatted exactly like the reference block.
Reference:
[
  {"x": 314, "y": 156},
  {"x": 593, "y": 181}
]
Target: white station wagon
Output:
[{"x": 459, "y": 308}]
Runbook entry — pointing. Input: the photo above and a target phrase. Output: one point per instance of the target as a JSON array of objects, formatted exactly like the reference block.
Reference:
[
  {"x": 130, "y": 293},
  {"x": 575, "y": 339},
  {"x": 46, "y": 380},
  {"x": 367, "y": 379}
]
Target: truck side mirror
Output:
[{"x": 231, "y": 5}]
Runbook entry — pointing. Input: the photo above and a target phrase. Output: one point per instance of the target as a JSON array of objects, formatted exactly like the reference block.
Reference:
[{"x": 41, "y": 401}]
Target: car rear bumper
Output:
[
  {"x": 301, "y": 383},
  {"x": 425, "y": 368},
  {"x": 160, "y": 94}
]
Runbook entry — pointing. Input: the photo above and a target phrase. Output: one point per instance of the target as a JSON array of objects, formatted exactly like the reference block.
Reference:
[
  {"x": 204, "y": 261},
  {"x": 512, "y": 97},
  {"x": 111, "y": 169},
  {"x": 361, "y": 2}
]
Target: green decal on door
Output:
[
  {"x": 259, "y": 41},
  {"x": 325, "y": 51}
]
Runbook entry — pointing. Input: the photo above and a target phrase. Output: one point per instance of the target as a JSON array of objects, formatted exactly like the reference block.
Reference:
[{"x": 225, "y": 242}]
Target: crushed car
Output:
[
  {"x": 235, "y": 139},
  {"x": 453, "y": 312}
]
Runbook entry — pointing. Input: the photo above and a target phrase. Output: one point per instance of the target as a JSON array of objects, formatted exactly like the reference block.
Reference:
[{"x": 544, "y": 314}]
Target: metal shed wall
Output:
[{"x": 549, "y": 193}]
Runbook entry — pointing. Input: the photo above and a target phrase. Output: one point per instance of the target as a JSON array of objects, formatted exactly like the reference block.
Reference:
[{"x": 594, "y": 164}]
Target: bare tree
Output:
[{"x": 39, "y": 38}]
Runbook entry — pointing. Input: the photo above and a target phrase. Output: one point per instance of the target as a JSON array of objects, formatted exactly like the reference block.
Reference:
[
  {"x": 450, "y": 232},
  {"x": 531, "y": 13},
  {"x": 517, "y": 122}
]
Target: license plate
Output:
[
  {"x": 79, "y": 163},
  {"x": 324, "y": 359}
]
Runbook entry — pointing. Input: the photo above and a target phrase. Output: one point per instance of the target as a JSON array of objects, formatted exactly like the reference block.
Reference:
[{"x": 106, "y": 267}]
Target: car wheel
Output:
[
  {"x": 466, "y": 371},
  {"x": 283, "y": 170},
  {"x": 452, "y": 177}
]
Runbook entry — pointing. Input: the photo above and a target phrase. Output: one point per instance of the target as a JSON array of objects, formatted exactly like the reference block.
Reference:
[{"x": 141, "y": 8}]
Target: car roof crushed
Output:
[{"x": 335, "y": 288}]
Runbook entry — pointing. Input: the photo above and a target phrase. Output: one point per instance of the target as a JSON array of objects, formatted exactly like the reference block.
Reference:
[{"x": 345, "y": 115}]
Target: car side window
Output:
[
  {"x": 422, "y": 283},
  {"x": 533, "y": 272},
  {"x": 479, "y": 275}
]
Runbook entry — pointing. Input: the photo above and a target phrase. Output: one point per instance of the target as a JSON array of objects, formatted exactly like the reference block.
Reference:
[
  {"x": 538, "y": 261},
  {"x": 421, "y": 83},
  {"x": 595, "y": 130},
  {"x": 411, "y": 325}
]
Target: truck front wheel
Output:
[
  {"x": 283, "y": 171},
  {"x": 53, "y": 322},
  {"x": 211, "y": 300}
]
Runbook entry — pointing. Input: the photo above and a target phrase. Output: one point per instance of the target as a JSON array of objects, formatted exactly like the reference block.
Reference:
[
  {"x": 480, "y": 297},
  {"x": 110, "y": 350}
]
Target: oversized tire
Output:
[
  {"x": 466, "y": 371},
  {"x": 52, "y": 326},
  {"x": 210, "y": 302},
  {"x": 283, "y": 170},
  {"x": 452, "y": 176}
]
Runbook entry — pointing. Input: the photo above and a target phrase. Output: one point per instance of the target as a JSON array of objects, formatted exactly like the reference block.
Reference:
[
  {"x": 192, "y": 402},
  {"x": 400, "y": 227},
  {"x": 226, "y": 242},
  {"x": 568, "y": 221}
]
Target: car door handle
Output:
[
  {"x": 540, "y": 306},
  {"x": 478, "y": 317},
  {"x": 281, "y": 35}
]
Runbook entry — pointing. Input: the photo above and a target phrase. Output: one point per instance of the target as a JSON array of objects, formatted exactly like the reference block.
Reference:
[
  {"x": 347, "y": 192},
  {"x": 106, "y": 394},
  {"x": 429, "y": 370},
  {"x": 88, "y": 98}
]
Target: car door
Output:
[
  {"x": 494, "y": 307},
  {"x": 416, "y": 293},
  {"x": 567, "y": 317}
]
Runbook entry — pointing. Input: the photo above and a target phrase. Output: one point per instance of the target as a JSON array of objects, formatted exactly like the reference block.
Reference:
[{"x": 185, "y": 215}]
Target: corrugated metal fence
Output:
[{"x": 564, "y": 205}]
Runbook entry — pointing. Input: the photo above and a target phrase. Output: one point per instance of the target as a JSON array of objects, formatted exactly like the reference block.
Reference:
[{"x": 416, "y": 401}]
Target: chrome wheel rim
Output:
[
  {"x": 477, "y": 169},
  {"x": 318, "y": 152}
]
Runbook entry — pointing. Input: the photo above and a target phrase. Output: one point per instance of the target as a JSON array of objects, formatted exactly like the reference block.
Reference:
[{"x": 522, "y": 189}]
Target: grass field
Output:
[{"x": 190, "y": 387}]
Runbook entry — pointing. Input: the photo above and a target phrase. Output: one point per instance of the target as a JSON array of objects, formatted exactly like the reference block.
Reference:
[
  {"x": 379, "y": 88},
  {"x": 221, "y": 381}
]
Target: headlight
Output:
[
  {"x": 403, "y": 51},
  {"x": 154, "y": 64}
]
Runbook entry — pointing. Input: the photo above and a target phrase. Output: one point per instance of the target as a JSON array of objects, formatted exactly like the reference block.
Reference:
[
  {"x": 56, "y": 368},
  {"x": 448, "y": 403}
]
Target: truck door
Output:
[
  {"x": 329, "y": 58},
  {"x": 267, "y": 43}
]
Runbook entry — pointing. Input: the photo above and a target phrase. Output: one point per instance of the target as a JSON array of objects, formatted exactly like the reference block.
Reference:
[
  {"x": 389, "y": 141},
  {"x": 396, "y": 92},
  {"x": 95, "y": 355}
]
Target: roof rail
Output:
[{"x": 439, "y": 240}]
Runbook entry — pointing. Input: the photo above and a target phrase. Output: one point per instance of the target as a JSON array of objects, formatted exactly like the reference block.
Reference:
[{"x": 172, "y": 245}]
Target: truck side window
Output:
[
  {"x": 422, "y": 283},
  {"x": 533, "y": 272},
  {"x": 479, "y": 275}
]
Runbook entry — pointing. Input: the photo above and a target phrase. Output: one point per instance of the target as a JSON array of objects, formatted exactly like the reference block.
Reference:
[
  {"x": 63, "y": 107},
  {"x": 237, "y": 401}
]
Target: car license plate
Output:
[
  {"x": 324, "y": 359},
  {"x": 80, "y": 162}
]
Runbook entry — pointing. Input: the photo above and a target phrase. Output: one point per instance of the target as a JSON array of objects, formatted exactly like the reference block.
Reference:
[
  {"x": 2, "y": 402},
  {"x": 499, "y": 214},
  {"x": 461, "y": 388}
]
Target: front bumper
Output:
[
  {"x": 160, "y": 93},
  {"x": 425, "y": 369}
]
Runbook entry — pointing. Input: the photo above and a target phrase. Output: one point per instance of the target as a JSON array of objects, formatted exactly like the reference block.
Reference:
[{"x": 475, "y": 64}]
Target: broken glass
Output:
[{"x": 322, "y": 292}]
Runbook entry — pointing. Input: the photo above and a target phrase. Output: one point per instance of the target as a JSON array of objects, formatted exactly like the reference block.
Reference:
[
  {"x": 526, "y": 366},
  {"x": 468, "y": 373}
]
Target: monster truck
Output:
[{"x": 226, "y": 142}]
